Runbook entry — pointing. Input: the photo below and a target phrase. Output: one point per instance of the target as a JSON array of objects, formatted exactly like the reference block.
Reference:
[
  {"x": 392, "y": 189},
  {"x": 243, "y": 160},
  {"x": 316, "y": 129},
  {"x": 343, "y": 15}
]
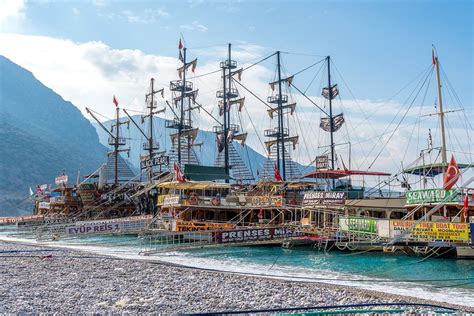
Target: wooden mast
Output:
[
  {"x": 181, "y": 116},
  {"x": 331, "y": 121},
  {"x": 281, "y": 134},
  {"x": 227, "y": 113},
  {"x": 441, "y": 114},
  {"x": 116, "y": 146}
]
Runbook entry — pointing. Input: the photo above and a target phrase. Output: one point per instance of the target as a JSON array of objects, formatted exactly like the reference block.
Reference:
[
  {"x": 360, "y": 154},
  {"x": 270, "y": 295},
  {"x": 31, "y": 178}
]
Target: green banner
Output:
[
  {"x": 362, "y": 225},
  {"x": 431, "y": 196}
]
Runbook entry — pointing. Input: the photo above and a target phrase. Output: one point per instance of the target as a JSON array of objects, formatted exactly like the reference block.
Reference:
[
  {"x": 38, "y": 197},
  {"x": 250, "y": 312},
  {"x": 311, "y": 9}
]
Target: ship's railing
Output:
[
  {"x": 162, "y": 241},
  {"x": 228, "y": 201}
]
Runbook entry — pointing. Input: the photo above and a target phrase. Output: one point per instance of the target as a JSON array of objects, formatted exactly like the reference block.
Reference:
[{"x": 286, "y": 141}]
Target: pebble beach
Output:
[{"x": 36, "y": 279}]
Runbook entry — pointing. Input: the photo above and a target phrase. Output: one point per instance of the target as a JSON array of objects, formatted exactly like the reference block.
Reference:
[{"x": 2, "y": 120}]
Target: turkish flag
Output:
[
  {"x": 276, "y": 173},
  {"x": 180, "y": 45},
  {"x": 179, "y": 175},
  {"x": 466, "y": 206},
  {"x": 114, "y": 100},
  {"x": 452, "y": 175}
]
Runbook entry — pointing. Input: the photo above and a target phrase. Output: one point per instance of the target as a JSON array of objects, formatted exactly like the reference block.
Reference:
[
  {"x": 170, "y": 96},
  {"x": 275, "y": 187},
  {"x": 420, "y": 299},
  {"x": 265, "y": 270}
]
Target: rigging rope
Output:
[{"x": 398, "y": 125}]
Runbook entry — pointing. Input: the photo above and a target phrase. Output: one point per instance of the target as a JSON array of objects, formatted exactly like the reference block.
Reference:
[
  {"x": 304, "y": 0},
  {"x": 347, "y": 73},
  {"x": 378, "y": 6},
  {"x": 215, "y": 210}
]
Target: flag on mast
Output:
[
  {"x": 114, "y": 100},
  {"x": 452, "y": 174},
  {"x": 466, "y": 206},
  {"x": 178, "y": 173},
  {"x": 180, "y": 44},
  {"x": 276, "y": 173}
]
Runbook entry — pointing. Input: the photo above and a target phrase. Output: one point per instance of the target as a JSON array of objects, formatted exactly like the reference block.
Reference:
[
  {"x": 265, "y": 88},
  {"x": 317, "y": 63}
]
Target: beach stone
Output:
[{"x": 75, "y": 282}]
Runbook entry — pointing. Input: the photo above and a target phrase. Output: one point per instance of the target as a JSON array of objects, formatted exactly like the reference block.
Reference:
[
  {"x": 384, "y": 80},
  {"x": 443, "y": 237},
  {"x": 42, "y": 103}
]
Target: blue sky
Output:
[
  {"x": 379, "y": 45},
  {"x": 89, "y": 51}
]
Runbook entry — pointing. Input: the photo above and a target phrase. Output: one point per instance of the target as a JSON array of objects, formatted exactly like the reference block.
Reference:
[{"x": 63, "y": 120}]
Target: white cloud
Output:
[
  {"x": 147, "y": 16},
  {"x": 89, "y": 74},
  {"x": 11, "y": 9},
  {"x": 195, "y": 26},
  {"x": 195, "y": 3}
]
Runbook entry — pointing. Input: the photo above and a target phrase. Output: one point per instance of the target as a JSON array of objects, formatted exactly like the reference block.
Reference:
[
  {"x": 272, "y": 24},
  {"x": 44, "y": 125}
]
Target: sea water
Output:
[{"x": 444, "y": 280}]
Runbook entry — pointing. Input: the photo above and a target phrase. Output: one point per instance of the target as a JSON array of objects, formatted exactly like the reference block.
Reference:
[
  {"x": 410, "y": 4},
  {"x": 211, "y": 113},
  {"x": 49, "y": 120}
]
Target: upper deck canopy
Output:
[
  {"x": 340, "y": 173},
  {"x": 288, "y": 184},
  {"x": 205, "y": 173},
  {"x": 433, "y": 169},
  {"x": 191, "y": 185}
]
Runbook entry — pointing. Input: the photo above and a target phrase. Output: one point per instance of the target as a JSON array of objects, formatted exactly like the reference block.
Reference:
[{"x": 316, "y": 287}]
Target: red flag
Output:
[
  {"x": 115, "y": 101},
  {"x": 180, "y": 45},
  {"x": 433, "y": 57},
  {"x": 178, "y": 173},
  {"x": 276, "y": 173},
  {"x": 452, "y": 175},
  {"x": 466, "y": 206}
]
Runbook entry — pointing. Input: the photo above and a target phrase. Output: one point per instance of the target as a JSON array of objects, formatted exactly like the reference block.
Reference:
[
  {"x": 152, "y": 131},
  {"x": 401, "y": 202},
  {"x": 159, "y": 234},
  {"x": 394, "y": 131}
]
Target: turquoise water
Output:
[{"x": 372, "y": 265}]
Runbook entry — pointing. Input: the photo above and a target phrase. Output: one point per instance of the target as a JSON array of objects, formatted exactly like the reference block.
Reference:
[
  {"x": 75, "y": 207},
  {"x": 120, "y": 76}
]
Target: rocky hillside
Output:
[{"x": 41, "y": 135}]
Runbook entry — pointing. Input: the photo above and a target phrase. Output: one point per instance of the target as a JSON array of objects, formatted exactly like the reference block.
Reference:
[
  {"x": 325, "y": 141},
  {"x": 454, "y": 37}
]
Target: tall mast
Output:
[
  {"x": 150, "y": 137},
  {"x": 116, "y": 146},
  {"x": 181, "y": 116},
  {"x": 281, "y": 136},
  {"x": 150, "y": 145},
  {"x": 441, "y": 114},
  {"x": 226, "y": 132},
  {"x": 114, "y": 139},
  {"x": 227, "y": 113},
  {"x": 331, "y": 121}
]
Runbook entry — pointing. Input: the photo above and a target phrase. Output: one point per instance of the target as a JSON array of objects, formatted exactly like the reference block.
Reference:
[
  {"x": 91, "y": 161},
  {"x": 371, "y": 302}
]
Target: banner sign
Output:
[
  {"x": 472, "y": 233},
  {"x": 14, "y": 220},
  {"x": 430, "y": 231},
  {"x": 57, "y": 199},
  {"x": 156, "y": 161},
  {"x": 43, "y": 205},
  {"x": 171, "y": 200},
  {"x": 274, "y": 200},
  {"x": 61, "y": 180},
  {"x": 358, "y": 224},
  {"x": 254, "y": 234},
  {"x": 322, "y": 162},
  {"x": 109, "y": 226},
  {"x": 431, "y": 196},
  {"x": 323, "y": 197}
]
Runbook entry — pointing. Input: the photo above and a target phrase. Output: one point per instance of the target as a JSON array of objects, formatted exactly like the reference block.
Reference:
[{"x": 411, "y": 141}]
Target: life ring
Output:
[
  {"x": 216, "y": 201},
  {"x": 193, "y": 199}
]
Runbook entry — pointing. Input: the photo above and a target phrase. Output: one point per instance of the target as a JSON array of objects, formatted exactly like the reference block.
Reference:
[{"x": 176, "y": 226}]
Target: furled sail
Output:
[
  {"x": 334, "y": 92},
  {"x": 337, "y": 122}
]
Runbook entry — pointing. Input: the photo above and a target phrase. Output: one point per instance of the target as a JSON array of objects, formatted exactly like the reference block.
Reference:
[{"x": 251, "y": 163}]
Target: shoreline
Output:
[{"x": 107, "y": 283}]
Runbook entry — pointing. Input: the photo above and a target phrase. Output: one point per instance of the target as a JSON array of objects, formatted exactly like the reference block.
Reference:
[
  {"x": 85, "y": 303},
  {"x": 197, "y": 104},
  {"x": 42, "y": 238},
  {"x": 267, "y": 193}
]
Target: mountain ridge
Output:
[{"x": 41, "y": 134}]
